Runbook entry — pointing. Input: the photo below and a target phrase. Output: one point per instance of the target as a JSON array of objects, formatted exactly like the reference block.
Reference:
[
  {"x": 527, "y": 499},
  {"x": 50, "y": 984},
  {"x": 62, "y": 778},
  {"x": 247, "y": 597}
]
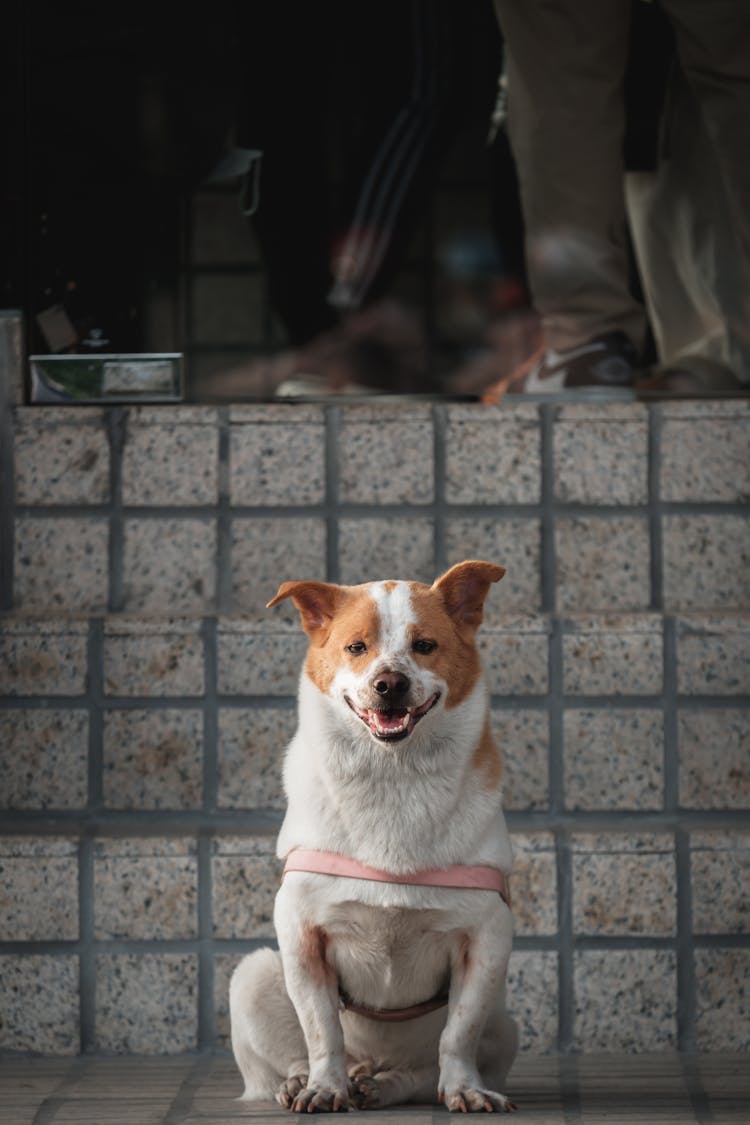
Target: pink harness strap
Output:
[{"x": 460, "y": 876}]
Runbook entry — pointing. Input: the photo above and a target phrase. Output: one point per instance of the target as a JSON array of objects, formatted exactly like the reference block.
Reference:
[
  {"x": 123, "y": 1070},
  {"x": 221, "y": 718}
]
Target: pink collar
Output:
[{"x": 479, "y": 878}]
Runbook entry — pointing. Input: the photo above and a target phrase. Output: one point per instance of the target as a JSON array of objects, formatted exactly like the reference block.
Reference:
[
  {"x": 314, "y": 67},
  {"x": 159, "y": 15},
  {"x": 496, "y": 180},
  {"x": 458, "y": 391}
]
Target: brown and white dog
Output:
[{"x": 392, "y": 918}]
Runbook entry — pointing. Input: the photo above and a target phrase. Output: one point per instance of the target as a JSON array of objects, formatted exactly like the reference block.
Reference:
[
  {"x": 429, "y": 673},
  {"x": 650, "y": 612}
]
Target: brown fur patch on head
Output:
[
  {"x": 487, "y": 759},
  {"x": 357, "y": 619},
  {"x": 464, "y": 589},
  {"x": 334, "y": 617},
  {"x": 450, "y": 612},
  {"x": 316, "y": 601},
  {"x": 455, "y": 659}
]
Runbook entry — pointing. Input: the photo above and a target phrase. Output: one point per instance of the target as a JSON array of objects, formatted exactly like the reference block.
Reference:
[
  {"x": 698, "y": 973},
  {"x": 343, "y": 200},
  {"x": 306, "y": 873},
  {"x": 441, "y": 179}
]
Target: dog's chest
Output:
[{"x": 389, "y": 957}]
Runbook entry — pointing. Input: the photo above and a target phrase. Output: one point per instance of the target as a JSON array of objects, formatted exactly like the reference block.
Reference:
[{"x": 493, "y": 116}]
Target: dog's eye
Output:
[
  {"x": 424, "y": 648},
  {"x": 357, "y": 648}
]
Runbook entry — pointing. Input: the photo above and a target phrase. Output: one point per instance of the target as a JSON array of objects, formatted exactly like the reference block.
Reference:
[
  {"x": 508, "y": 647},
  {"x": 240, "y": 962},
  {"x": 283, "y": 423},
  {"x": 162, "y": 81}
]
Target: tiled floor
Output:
[{"x": 202, "y": 1090}]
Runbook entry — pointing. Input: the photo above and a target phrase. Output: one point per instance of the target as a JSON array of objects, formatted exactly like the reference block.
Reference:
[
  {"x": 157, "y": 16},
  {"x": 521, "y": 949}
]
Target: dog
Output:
[{"x": 393, "y": 916}]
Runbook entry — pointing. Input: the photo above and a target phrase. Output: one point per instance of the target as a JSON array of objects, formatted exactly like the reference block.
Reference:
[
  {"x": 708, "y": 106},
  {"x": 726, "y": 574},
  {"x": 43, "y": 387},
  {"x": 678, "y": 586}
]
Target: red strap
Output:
[{"x": 479, "y": 877}]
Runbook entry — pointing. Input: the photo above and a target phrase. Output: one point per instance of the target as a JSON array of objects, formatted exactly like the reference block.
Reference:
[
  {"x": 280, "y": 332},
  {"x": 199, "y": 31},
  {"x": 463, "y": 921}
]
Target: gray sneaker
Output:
[{"x": 603, "y": 368}]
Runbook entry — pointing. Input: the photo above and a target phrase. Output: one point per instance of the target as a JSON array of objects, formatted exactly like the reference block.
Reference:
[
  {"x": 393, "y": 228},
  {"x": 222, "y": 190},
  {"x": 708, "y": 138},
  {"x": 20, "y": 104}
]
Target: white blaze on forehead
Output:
[{"x": 396, "y": 613}]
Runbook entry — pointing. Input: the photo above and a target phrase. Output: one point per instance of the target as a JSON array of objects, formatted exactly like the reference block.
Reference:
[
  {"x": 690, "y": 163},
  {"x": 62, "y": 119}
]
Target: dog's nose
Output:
[{"x": 391, "y": 686}]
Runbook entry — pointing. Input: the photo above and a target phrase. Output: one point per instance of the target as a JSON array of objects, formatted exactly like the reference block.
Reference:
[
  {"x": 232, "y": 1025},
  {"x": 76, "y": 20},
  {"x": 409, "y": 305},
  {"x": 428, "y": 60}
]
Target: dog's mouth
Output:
[{"x": 395, "y": 724}]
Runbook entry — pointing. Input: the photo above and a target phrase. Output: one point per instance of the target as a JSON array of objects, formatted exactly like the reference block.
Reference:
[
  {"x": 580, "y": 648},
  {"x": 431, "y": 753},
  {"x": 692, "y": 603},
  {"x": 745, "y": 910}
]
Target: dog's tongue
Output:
[{"x": 388, "y": 722}]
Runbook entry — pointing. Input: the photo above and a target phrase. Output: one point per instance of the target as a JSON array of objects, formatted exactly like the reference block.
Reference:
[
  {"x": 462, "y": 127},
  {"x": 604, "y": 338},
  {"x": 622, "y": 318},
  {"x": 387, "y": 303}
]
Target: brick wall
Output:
[{"x": 147, "y": 695}]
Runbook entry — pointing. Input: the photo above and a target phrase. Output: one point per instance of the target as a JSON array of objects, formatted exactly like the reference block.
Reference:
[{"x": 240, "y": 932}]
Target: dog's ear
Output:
[
  {"x": 316, "y": 602},
  {"x": 464, "y": 588}
]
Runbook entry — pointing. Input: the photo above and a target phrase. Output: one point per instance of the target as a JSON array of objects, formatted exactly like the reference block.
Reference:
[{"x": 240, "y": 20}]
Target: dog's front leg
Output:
[
  {"x": 478, "y": 969},
  {"x": 312, "y": 986}
]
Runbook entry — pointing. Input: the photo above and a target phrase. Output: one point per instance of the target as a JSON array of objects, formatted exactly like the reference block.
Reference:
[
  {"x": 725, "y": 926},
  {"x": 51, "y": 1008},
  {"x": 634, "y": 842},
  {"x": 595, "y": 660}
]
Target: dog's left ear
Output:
[
  {"x": 316, "y": 602},
  {"x": 464, "y": 588}
]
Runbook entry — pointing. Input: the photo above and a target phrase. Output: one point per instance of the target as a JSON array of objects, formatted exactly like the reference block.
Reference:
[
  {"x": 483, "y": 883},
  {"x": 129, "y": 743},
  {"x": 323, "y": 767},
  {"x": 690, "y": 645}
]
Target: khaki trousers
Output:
[
  {"x": 566, "y": 62},
  {"x": 696, "y": 277}
]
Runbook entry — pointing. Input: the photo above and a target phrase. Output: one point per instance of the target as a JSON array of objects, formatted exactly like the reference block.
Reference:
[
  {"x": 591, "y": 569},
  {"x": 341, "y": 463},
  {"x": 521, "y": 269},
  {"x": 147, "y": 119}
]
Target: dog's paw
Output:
[
  {"x": 365, "y": 1092},
  {"x": 364, "y": 1066},
  {"x": 290, "y": 1088},
  {"x": 471, "y": 1100},
  {"x": 321, "y": 1099}
]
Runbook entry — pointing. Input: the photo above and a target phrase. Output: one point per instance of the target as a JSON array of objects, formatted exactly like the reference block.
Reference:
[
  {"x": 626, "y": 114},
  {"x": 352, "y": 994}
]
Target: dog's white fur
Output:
[{"x": 402, "y": 806}]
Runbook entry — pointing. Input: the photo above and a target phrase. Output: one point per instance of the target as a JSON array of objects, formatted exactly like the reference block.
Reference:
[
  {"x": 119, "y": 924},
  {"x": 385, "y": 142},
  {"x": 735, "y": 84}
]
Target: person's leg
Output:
[
  {"x": 712, "y": 46},
  {"x": 681, "y": 220},
  {"x": 566, "y": 64}
]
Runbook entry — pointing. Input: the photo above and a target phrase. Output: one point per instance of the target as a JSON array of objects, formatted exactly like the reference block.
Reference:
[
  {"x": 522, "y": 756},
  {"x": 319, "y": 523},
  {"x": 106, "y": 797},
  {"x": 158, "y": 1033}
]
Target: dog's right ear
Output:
[{"x": 316, "y": 602}]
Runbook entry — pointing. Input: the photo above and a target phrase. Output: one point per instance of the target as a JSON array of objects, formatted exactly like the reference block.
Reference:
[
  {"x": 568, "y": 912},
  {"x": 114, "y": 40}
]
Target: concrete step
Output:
[
  {"x": 197, "y": 510},
  {"x": 146, "y": 695},
  {"x": 552, "y": 1090}
]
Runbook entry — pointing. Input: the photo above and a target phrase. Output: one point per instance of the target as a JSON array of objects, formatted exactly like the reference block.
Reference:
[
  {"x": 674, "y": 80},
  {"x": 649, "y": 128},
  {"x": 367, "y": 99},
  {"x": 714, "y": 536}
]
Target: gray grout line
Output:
[
  {"x": 223, "y": 518},
  {"x": 86, "y": 956},
  {"x": 183, "y": 1099},
  {"x": 670, "y": 705},
  {"x": 499, "y": 511},
  {"x": 150, "y": 822},
  {"x": 7, "y": 489},
  {"x": 50, "y": 1107},
  {"x": 206, "y": 1015},
  {"x": 210, "y": 718},
  {"x": 686, "y": 1008},
  {"x": 137, "y": 945},
  {"x": 699, "y": 1099},
  {"x": 332, "y": 510},
  {"x": 543, "y": 944},
  {"x": 565, "y": 963},
  {"x": 116, "y": 422},
  {"x": 655, "y": 524},
  {"x": 567, "y": 945},
  {"x": 547, "y": 547},
  {"x": 440, "y": 556},
  {"x": 95, "y": 676},
  {"x": 146, "y": 702},
  {"x": 556, "y": 708},
  {"x": 570, "y": 1091},
  {"x": 288, "y": 702},
  {"x": 686, "y": 1014}
]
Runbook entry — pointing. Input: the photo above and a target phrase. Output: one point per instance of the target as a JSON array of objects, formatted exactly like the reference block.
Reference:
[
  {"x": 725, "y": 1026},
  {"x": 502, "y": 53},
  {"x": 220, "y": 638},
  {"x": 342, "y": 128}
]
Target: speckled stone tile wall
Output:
[
  {"x": 263, "y": 550},
  {"x": 145, "y": 888},
  {"x": 153, "y": 658},
  {"x": 44, "y": 759},
  {"x": 626, "y": 999},
  {"x": 601, "y": 460},
  {"x": 146, "y": 696},
  {"x": 38, "y": 888},
  {"x": 146, "y": 1003},
  {"x": 624, "y": 884},
  {"x": 62, "y": 457},
  {"x": 170, "y": 457},
  {"x": 276, "y": 457}
]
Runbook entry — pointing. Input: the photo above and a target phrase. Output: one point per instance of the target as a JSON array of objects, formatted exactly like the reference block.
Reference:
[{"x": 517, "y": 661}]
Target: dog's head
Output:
[{"x": 392, "y": 655}]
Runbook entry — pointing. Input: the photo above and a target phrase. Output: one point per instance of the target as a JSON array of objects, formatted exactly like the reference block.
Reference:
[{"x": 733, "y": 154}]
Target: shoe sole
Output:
[
  {"x": 576, "y": 394},
  {"x": 668, "y": 396},
  {"x": 388, "y": 398}
]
